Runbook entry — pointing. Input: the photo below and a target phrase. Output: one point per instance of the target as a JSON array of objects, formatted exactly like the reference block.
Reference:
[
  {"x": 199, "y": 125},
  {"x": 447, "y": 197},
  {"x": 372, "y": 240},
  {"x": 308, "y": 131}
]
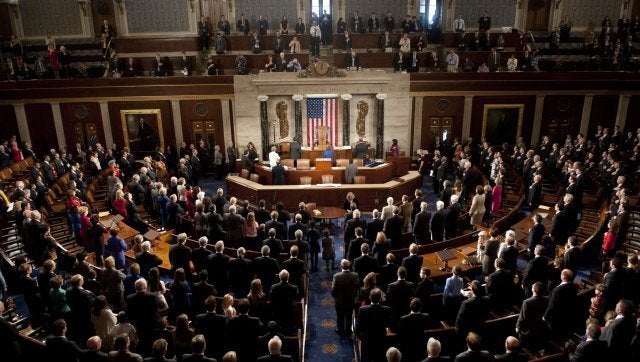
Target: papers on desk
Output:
[
  {"x": 544, "y": 214},
  {"x": 544, "y": 207},
  {"x": 329, "y": 185}
]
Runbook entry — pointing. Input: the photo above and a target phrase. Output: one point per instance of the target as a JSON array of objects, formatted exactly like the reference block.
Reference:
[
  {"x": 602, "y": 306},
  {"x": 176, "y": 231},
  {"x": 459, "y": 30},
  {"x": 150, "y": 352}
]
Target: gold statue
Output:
[
  {"x": 363, "y": 109},
  {"x": 281, "y": 112}
]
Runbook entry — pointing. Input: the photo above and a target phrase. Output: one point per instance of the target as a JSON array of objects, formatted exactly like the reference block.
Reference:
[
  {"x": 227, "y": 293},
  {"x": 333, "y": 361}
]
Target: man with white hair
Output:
[
  {"x": 393, "y": 355},
  {"x": 433, "y": 351},
  {"x": 200, "y": 255},
  {"x": 274, "y": 157},
  {"x": 438, "y": 222},
  {"x": 180, "y": 255},
  {"x": 451, "y": 220},
  {"x": 146, "y": 259},
  {"x": 218, "y": 268},
  {"x": 421, "y": 229},
  {"x": 275, "y": 346},
  {"x": 233, "y": 225},
  {"x": 387, "y": 211},
  {"x": 374, "y": 226},
  {"x": 142, "y": 311}
]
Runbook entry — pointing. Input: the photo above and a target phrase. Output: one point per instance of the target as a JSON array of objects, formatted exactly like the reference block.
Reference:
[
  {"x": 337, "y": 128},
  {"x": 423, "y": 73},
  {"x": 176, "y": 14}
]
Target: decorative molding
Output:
[
  {"x": 346, "y": 96},
  {"x": 381, "y": 96},
  {"x": 297, "y": 97},
  {"x": 262, "y": 98}
]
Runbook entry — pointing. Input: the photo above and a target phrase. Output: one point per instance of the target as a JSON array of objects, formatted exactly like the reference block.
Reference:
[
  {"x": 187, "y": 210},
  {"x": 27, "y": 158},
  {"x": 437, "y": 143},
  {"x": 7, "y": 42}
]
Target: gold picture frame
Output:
[
  {"x": 132, "y": 126},
  {"x": 502, "y": 123}
]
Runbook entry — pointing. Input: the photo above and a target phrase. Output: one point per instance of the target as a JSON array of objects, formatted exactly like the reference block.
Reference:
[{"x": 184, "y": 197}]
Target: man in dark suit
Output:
[
  {"x": 365, "y": 263},
  {"x": 388, "y": 272},
  {"x": 199, "y": 255},
  {"x": 266, "y": 268},
  {"x": 415, "y": 204},
  {"x": 142, "y": 311},
  {"x": 451, "y": 218},
  {"x": 198, "y": 345},
  {"x": 121, "y": 351},
  {"x": 421, "y": 229},
  {"x": 412, "y": 263},
  {"x": 536, "y": 232},
  {"x": 575, "y": 190},
  {"x": 399, "y": 294},
  {"x": 218, "y": 269},
  {"x": 393, "y": 228},
  {"x": 559, "y": 228},
  {"x": 274, "y": 244},
  {"x": 512, "y": 351},
  {"x": 283, "y": 297},
  {"x": 571, "y": 213},
  {"x": 561, "y": 312},
  {"x": 572, "y": 255},
  {"x": 180, "y": 255},
  {"x": 353, "y": 247},
  {"x": 240, "y": 273},
  {"x": 536, "y": 270},
  {"x": 233, "y": 225},
  {"x": 297, "y": 225},
  {"x": 438, "y": 222},
  {"x": 374, "y": 226},
  {"x": 279, "y": 227},
  {"x": 372, "y": 327},
  {"x": 262, "y": 214},
  {"x": 345, "y": 286},
  {"x": 80, "y": 301},
  {"x": 411, "y": 329},
  {"x": 615, "y": 281},
  {"x": 355, "y": 222},
  {"x": 213, "y": 327},
  {"x": 58, "y": 346},
  {"x": 473, "y": 312},
  {"x": 275, "y": 346},
  {"x": 510, "y": 255},
  {"x": 146, "y": 260},
  {"x": 296, "y": 268},
  {"x": 203, "y": 32},
  {"x": 277, "y": 172},
  {"x": 474, "y": 352},
  {"x": 243, "y": 332},
  {"x": 200, "y": 292},
  {"x": 620, "y": 332},
  {"x": 93, "y": 352},
  {"x": 530, "y": 325},
  {"x": 591, "y": 350},
  {"x": 534, "y": 195},
  {"x": 500, "y": 287},
  {"x": 433, "y": 352}
]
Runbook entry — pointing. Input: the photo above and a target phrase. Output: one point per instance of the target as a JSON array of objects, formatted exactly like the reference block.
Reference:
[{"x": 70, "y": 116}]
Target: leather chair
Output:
[
  {"x": 358, "y": 162},
  {"x": 254, "y": 177},
  {"x": 305, "y": 180},
  {"x": 244, "y": 174},
  {"x": 342, "y": 162},
  {"x": 303, "y": 164},
  {"x": 359, "y": 179},
  {"x": 327, "y": 179},
  {"x": 287, "y": 162}
]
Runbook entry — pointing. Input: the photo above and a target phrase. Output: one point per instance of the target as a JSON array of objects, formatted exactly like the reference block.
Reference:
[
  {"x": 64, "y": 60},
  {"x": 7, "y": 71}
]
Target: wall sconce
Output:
[{"x": 83, "y": 6}]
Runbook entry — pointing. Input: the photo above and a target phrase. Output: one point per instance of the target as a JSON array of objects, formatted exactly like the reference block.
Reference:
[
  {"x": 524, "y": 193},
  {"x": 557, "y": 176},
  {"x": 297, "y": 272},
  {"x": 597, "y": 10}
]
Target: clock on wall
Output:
[
  {"x": 443, "y": 105},
  {"x": 321, "y": 67}
]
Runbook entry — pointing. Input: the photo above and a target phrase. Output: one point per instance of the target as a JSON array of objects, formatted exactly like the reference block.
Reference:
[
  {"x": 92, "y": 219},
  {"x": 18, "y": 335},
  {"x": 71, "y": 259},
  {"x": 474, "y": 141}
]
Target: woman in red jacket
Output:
[{"x": 119, "y": 204}]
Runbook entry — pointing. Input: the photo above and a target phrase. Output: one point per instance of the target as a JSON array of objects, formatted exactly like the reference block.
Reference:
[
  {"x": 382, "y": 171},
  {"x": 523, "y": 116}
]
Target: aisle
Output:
[{"x": 323, "y": 344}]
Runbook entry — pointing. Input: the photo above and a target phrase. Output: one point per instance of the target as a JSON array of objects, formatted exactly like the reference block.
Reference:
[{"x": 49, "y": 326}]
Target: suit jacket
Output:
[
  {"x": 190, "y": 357},
  {"x": 589, "y": 351},
  {"x": 559, "y": 229},
  {"x": 353, "y": 248},
  {"x": 262, "y": 216},
  {"x": 142, "y": 311},
  {"x": 243, "y": 332},
  {"x": 530, "y": 319},
  {"x": 510, "y": 256},
  {"x": 372, "y": 321},
  {"x": 512, "y": 357},
  {"x": 451, "y": 219},
  {"x": 472, "y": 315},
  {"x": 561, "y": 312},
  {"x": 275, "y": 247},
  {"x": 295, "y": 227},
  {"x": 413, "y": 264},
  {"x": 296, "y": 269},
  {"x": 277, "y": 172},
  {"x": 373, "y": 227},
  {"x": 535, "y": 236},
  {"x": 399, "y": 294},
  {"x": 614, "y": 280},
  {"x": 240, "y": 275},
  {"x": 618, "y": 336},
  {"x": 345, "y": 286},
  {"x": 147, "y": 261},
  {"x": 350, "y": 228},
  {"x": 273, "y": 358},
  {"x": 283, "y": 297},
  {"x": 62, "y": 348},
  {"x": 411, "y": 329},
  {"x": 534, "y": 197},
  {"x": 393, "y": 229},
  {"x": 421, "y": 229},
  {"x": 500, "y": 288},
  {"x": 445, "y": 196},
  {"x": 117, "y": 356},
  {"x": 437, "y": 225},
  {"x": 278, "y": 226},
  {"x": 536, "y": 271},
  {"x": 218, "y": 268},
  {"x": 474, "y": 356},
  {"x": 572, "y": 259},
  {"x": 365, "y": 264},
  {"x": 233, "y": 224},
  {"x": 179, "y": 256},
  {"x": 388, "y": 273}
]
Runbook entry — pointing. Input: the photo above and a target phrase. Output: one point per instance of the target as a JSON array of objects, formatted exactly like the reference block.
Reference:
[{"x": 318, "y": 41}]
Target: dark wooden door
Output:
[
  {"x": 103, "y": 9},
  {"x": 538, "y": 15},
  {"x": 433, "y": 127}
]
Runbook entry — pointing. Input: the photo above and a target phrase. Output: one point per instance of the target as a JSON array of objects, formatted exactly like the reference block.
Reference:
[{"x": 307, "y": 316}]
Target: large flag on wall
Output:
[{"x": 322, "y": 112}]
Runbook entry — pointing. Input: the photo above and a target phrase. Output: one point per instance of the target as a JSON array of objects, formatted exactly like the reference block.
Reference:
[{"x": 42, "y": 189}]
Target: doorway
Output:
[
  {"x": 438, "y": 130},
  {"x": 318, "y": 8},
  {"x": 538, "y": 15}
]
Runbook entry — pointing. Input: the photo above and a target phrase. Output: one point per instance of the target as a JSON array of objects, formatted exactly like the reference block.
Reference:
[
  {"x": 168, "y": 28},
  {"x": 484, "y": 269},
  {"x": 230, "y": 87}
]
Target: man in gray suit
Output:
[
  {"x": 360, "y": 150},
  {"x": 350, "y": 172},
  {"x": 345, "y": 286},
  {"x": 295, "y": 151}
]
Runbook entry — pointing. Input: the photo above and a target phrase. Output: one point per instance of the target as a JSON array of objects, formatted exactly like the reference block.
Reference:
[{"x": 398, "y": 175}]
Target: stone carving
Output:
[
  {"x": 281, "y": 112},
  {"x": 363, "y": 110}
]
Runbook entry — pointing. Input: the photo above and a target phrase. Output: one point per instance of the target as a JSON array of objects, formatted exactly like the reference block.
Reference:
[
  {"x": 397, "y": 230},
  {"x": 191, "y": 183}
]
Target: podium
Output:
[{"x": 323, "y": 132}]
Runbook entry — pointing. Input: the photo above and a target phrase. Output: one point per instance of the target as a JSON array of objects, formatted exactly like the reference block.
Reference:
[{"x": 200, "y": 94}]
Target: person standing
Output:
[
  {"x": 458, "y": 24},
  {"x": 452, "y": 60},
  {"x": 232, "y": 155},
  {"x": 345, "y": 286},
  {"x": 242, "y": 26},
  {"x": 204, "y": 33},
  {"x": 372, "y": 327},
  {"x": 316, "y": 36},
  {"x": 224, "y": 26}
]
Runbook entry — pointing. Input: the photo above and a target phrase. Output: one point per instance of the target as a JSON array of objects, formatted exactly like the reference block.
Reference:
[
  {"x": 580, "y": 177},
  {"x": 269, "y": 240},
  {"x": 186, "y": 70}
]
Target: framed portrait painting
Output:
[
  {"x": 142, "y": 130},
  {"x": 502, "y": 123}
]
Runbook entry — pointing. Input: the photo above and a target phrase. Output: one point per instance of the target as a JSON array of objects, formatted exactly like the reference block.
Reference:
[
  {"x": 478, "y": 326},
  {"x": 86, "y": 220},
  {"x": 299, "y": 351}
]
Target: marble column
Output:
[
  {"x": 346, "y": 118},
  {"x": 586, "y": 114},
  {"x": 521, "y": 14},
  {"x": 380, "y": 126},
  {"x": 623, "y": 109},
  {"x": 264, "y": 125},
  {"x": 177, "y": 121},
  {"x": 466, "y": 117},
  {"x": 21, "y": 117},
  {"x": 57, "y": 122},
  {"x": 537, "y": 120},
  {"x": 106, "y": 124},
  {"x": 297, "y": 123}
]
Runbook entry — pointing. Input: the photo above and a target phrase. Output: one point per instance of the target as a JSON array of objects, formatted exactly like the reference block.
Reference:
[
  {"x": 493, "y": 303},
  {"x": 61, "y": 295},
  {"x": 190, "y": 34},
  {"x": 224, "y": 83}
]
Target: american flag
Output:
[{"x": 322, "y": 112}]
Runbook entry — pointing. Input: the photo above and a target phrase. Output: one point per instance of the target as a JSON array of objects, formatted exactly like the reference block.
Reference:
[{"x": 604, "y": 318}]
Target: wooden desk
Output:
[
  {"x": 375, "y": 175},
  {"x": 316, "y": 153},
  {"x": 522, "y": 227},
  {"x": 126, "y": 232},
  {"x": 400, "y": 165},
  {"x": 370, "y": 196}
]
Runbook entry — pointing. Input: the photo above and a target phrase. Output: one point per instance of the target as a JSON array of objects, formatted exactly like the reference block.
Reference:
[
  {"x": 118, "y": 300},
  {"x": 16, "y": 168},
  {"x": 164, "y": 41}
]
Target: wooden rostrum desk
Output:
[{"x": 374, "y": 175}]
